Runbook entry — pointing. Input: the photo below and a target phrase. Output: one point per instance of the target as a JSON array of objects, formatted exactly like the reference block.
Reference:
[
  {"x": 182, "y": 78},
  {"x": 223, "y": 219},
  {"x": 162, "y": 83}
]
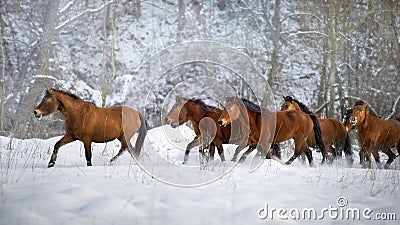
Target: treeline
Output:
[{"x": 328, "y": 53}]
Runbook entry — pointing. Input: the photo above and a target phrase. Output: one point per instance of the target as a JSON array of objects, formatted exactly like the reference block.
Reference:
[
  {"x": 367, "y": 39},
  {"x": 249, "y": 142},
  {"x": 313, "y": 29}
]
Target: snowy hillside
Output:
[{"x": 128, "y": 193}]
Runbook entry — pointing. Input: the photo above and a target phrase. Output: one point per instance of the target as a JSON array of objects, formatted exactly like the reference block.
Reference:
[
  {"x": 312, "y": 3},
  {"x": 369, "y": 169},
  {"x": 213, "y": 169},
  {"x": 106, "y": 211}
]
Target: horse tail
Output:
[
  {"x": 142, "y": 132},
  {"x": 318, "y": 134}
]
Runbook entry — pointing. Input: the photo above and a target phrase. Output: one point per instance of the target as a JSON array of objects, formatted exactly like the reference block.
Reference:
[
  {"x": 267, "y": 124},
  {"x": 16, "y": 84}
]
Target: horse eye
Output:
[{"x": 286, "y": 106}]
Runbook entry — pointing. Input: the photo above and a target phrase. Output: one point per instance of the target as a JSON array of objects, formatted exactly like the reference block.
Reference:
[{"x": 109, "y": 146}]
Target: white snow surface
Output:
[{"x": 123, "y": 193}]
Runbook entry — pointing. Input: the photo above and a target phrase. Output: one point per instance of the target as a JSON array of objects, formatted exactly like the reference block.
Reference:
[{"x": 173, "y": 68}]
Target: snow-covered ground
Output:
[{"x": 159, "y": 190}]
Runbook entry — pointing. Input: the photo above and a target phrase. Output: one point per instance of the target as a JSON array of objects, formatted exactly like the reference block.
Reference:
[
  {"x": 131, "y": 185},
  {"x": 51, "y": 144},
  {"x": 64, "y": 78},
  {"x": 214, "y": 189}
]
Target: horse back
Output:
[
  {"x": 106, "y": 124},
  {"x": 332, "y": 129},
  {"x": 291, "y": 123}
]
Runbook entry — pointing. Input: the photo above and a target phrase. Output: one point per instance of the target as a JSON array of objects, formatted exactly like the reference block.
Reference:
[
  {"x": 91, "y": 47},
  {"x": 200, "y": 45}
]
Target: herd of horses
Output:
[{"x": 240, "y": 122}]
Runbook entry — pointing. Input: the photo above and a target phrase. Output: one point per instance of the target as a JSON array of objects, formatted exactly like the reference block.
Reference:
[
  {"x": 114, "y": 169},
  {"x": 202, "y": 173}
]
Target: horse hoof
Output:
[
  {"x": 89, "y": 164},
  {"x": 288, "y": 163},
  {"x": 51, "y": 164}
]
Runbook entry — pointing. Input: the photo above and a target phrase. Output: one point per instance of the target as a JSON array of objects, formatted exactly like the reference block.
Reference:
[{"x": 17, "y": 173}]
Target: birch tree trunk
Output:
[{"x": 333, "y": 55}]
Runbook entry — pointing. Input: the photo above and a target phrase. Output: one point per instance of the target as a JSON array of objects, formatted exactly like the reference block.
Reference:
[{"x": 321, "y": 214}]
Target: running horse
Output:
[
  {"x": 260, "y": 123},
  {"x": 88, "y": 123},
  {"x": 195, "y": 111},
  {"x": 333, "y": 131},
  {"x": 373, "y": 133}
]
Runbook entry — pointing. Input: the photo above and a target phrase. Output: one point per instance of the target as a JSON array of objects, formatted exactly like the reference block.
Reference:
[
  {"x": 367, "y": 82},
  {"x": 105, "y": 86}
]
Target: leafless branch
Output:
[{"x": 80, "y": 15}]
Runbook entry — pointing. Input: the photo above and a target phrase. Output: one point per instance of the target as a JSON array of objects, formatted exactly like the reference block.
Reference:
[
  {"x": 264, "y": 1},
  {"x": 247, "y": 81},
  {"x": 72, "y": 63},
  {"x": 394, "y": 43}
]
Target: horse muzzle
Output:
[
  {"x": 222, "y": 123},
  {"x": 171, "y": 123},
  {"x": 353, "y": 121},
  {"x": 37, "y": 114}
]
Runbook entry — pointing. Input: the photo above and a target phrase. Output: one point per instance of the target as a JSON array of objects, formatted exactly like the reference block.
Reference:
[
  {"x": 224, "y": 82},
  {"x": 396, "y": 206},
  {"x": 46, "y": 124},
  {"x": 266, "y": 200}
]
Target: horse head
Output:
[
  {"x": 48, "y": 105},
  {"x": 178, "y": 114}
]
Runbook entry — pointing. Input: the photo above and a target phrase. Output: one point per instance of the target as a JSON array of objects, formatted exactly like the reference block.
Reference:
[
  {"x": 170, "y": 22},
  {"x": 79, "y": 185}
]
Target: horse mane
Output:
[
  {"x": 251, "y": 106},
  {"x": 202, "y": 105},
  {"x": 71, "y": 95},
  {"x": 301, "y": 105},
  {"x": 66, "y": 93}
]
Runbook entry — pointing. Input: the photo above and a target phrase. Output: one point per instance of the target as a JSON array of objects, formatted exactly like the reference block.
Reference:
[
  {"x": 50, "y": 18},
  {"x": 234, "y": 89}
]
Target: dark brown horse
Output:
[
  {"x": 88, "y": 123},
  {"x": 333, "y": 131},
  {"x": 195, "y": 111},
  {"x": 373, "y": 133},
  {"x": 266, "y": 127}
]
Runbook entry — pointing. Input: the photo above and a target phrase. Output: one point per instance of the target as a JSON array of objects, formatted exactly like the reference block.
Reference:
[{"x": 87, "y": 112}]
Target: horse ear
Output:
[
  {"x": 48, "y": 90},
  {"x": 284, "y": 98},
  {"x": 364, "y": 106}
]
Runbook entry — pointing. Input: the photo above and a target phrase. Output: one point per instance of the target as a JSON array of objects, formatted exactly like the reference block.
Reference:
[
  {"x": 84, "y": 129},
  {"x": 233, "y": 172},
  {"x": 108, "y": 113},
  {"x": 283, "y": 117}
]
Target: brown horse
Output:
[
  {"x": 261, "y": 123},
  {"x": 195, "y": 110},
  {"x": 373, "y": 133},
  {"x": 88, "y": 123},
  {"x": 333, "y": 131}
]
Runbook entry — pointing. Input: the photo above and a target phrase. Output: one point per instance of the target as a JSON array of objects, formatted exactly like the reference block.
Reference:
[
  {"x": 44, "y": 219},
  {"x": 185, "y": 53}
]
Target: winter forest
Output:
[{"x": 328, "y": 54}]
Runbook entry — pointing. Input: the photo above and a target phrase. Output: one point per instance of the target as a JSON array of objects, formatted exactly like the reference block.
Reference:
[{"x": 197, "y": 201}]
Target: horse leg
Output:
[
  {"x": 330, "y": 149},
  {"x": 304, "y": 149},
  {"x": 211, "y": 151},
  {"x": 88, "y": 152},
  {"x": 297, "y": 150},
  {"x": 391, "y": 157},
  {"x": 309, "y": 156},
  {"x": 221, "y": 152},
  {"x": 367, "y": 155},
  {"x": 64, "y": 140},
  {"x": 362, "y": 155},
  {"x": 124, "y": 146},
  {"x": 338, "y": 147},
  {"x": 376, "y": 156},
  {"x": 238, "y": 149},
  {"x": 276, "y": 150},
  {"x": 191, "y": 145},
  {"x": 246, "y": 153}
]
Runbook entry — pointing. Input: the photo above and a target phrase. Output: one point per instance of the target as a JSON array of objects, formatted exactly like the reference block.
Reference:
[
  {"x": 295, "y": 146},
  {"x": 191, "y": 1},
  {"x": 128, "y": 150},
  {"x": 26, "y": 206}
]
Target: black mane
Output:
[
  {"x": 66, "y": 93},
  {"x": 301, "y": 105},
  {"x": 202, "y": 105},
  {"x": 251, "y": 106}
]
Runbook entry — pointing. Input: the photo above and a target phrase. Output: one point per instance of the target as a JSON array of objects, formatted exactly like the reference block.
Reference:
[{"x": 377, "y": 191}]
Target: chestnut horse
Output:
[
  {"x": 287, "y": 124},
  {"x": 333, "y": 131},
  {"x": 195, "y": 110},
  {"x": 373, "y": 133},
  {"x": 88, "y": 123}
]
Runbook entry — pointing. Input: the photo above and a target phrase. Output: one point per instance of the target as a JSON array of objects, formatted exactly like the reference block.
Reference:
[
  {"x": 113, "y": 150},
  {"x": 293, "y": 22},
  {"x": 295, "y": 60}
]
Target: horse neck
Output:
[
  {"x": 370, "y": 121},
  {"x": 69, "y": 107},
  {"x": 251, "y": 117},
  {"x": 196, "y": 113}
]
